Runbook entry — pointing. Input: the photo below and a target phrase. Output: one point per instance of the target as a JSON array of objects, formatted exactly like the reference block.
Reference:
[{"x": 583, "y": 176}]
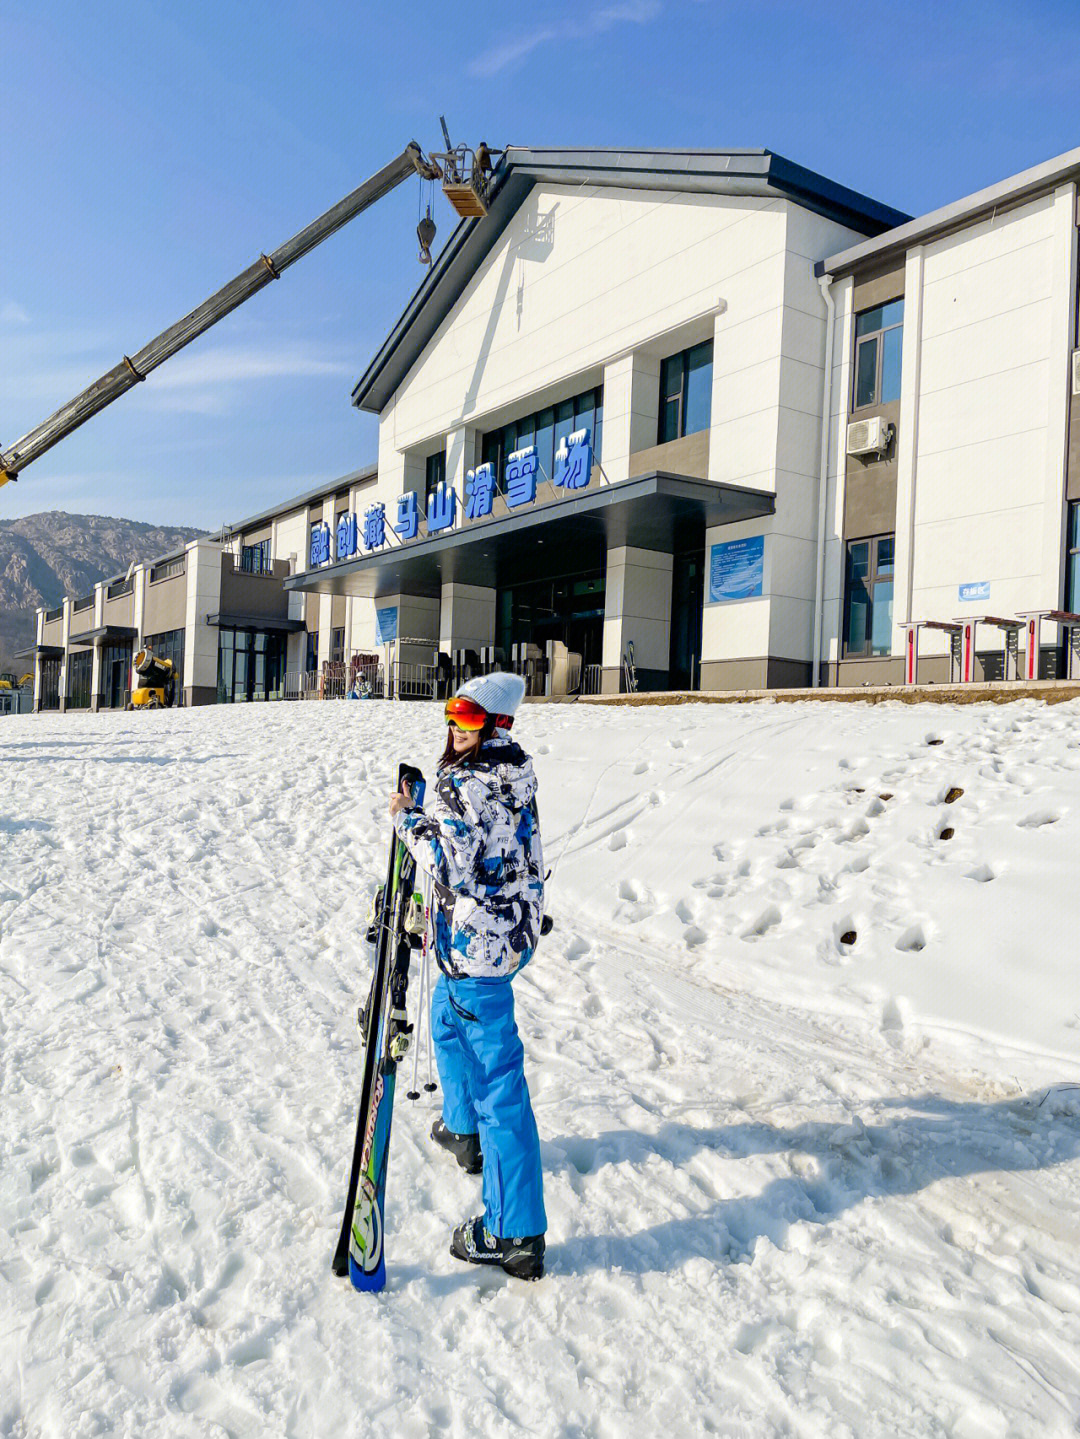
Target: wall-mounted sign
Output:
[
  {"x": 737, "y": 569},
  {"x": 573, "y": 461},
  {"x": 320, "y": 546},
  {"x": 408, "y": 516},
  {"x": 348, "y": 537},
  {"x": 442, "y": 508},
  {"x": 375, "y": 526},
  {"x": 976, "y": 590},
  {"x": 479, "y": 491},
  {"x": 386, "y": 625},
  {"x": 520, "y": 476}
]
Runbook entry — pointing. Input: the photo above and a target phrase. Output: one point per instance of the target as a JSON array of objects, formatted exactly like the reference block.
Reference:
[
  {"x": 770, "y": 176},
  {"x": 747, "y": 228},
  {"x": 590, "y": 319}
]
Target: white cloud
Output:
[
  {"x": 596, "y": 22},
  {"x": 13, "y": 314}
]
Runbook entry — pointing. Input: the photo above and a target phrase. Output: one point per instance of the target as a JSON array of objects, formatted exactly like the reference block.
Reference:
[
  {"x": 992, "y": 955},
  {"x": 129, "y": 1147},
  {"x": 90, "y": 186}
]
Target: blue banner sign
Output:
[
  {"x": 375, "y": 526},
  {"x": 386, "y": 625},
  {"x": 976, "y": 590},
  {"x": 573, "y": 461},
  {"x": 737, "y": 569}
]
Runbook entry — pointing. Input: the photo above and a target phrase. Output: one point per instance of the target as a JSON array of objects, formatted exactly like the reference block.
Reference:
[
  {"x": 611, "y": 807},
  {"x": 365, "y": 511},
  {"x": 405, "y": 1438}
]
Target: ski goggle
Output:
[{"x": 465, "y": 714}]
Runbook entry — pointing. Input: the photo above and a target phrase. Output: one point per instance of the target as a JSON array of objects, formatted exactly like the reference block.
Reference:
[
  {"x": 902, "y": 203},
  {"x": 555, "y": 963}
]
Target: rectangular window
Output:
[
  {"x": 868, "y": 597},
  {"x": 435, "y": 475},
  {"x": 1072, "y": 560},
  {"x": 80, "y": 669},
  {"x": 685, "y": 393},
  {"x": 168, "y": 645},
  {"x": 255, "y": 559},
  {"x": 337, "y": 645},
  {"x": 879, "y": 339}
]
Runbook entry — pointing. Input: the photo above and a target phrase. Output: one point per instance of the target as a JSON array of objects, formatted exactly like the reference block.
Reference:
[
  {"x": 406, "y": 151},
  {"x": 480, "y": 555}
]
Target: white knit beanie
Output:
[{"x": 499, "y": 693}]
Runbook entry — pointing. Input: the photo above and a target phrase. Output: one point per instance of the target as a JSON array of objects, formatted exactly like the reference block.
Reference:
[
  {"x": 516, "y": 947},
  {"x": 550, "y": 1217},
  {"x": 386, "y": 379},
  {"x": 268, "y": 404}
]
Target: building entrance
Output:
[{"x": 569, "y": 608}]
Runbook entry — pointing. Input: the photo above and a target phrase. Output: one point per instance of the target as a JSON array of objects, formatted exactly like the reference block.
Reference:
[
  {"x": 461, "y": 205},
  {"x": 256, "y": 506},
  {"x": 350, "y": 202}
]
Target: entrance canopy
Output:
[
  {"x": 657, "y": 511},
  {"x": 103, "y": 635}
]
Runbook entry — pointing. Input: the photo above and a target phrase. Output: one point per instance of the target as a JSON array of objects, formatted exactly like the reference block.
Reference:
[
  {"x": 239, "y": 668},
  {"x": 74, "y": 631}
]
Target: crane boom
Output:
[{"x": 134, "y": 368}]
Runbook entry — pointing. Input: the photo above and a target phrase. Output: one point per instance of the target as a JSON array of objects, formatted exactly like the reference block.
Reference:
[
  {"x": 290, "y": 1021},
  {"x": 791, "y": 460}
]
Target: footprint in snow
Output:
[{"x": 1038, "y": 818}]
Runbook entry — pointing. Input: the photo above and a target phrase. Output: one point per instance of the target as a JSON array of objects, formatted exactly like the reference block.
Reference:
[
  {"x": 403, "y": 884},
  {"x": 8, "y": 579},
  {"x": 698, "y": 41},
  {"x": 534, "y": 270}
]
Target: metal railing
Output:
[
  {"x": 413, "y": 681},
  {"x": 118, "y": 588},
  {"x": 591, "y": 679}
]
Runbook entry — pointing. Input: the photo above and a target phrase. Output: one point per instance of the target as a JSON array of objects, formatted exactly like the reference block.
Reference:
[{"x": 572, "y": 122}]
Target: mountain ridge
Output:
[{"x": 48, "y": 555}]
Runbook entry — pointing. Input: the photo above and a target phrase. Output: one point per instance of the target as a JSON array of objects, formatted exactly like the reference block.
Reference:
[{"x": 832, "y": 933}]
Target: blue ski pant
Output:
[{"x": 481, "y": 1065}]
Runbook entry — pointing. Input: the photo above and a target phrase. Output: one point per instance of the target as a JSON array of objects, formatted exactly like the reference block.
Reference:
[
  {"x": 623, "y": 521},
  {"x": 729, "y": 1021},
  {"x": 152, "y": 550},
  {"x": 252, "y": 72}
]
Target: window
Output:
[
  {"x": 868, "y": 597},
  {"x": 435, "y": 476},
  {"x": 251, "y": 666},
  {"x": 337, "y": 645},
  {"x": 685, "y": 393},
  {"x": 544, "y": 429},
  {"x": 255, "y": 559},
  {"x": 879, "y": 337},
  {"x": 50, "y": 685},
  {"x": 169, "y": 569},
  {"x": 169, "y": 645},
  {"x": 311, "y": 663},
  {"x": 1072, "y": 560},
  {"x": 80, "y": 670}
]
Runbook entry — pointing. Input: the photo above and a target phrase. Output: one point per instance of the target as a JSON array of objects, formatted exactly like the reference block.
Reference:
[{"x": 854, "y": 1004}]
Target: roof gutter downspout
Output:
[{"x": 825, "y": 281}]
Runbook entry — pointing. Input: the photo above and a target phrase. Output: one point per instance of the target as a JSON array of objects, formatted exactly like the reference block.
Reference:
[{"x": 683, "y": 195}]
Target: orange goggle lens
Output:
[{"x": 465, "y": 714}]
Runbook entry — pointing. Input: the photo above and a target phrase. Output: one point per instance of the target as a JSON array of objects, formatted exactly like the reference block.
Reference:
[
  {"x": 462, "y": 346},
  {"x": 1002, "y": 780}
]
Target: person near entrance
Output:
[{"x": 478, "y": 838}]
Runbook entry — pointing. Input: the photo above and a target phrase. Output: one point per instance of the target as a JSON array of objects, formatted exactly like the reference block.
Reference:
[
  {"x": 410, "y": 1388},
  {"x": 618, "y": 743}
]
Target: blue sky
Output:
[{"x": 149, "y": 152}]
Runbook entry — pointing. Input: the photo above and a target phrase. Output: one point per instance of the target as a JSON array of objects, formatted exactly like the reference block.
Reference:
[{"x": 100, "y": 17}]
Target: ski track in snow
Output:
[{"x": 798, "y": 1184}]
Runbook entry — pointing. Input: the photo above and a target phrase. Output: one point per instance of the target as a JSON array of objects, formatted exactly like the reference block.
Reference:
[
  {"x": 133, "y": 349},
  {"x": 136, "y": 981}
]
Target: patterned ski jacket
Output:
[{"x": 478, "y": 837}]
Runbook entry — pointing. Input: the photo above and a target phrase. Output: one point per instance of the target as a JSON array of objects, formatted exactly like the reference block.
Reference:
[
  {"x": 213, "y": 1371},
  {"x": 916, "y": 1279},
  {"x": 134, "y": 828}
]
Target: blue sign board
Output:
[
  {"x": 479, "y": 491},
  {"x": 375, "y": 526},
  {"x": 520, "y": 475},
  {"x": 320, "y": 546},
  {"x": 573, "y": 461},
  {"x": 442, "y": 507},
  {"x": 386, "y": 625},
  {"x": 977, "y": 590},
  {"x": 737, "y": 569},
  {"x": 408, "y": 516},
  {"x": 348, "y": 541}
]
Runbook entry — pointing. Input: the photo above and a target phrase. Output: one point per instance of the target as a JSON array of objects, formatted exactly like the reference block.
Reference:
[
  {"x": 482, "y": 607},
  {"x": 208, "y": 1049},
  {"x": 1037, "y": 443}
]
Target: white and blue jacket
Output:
[{"x": 478, "y": 838}]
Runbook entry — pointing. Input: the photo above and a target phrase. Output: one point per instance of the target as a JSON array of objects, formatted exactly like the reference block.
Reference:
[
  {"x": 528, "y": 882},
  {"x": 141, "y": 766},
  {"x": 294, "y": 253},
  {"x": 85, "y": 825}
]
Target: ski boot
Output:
[
  {"x": 522, "y": 1258},
  {"x": 464, "y": 1147}
]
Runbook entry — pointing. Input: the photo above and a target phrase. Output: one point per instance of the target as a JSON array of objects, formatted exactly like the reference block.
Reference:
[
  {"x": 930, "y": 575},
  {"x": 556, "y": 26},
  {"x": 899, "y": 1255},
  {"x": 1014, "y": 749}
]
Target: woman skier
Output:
[{"x": 478, "y": 838}]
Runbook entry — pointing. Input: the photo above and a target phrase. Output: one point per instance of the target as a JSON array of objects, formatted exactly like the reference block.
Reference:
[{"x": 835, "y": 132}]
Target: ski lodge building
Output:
[{"x": 704, "y": 409}]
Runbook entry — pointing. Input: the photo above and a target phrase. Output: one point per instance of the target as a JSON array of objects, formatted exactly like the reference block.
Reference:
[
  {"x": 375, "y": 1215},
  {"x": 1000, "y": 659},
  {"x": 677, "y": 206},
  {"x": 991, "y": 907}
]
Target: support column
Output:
[
  {"x": 466, "y": 617},
  {"x": 462, "y": 453},
  {"x": 637, "y": 608},
  {"x": 65, "y": 631},
  {"x": 95, "y": 671},
  {"x": 39, "y": 631},
  {"x": 631, "y": 411},
  {"x": 204, "y": 561}
]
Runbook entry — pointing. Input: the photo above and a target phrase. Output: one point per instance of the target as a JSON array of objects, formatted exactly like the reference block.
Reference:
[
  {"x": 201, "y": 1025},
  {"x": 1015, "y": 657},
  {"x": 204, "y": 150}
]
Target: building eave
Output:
[
  {"x": 717, "y": 172},
  {"x": 1005, "y": 195}
]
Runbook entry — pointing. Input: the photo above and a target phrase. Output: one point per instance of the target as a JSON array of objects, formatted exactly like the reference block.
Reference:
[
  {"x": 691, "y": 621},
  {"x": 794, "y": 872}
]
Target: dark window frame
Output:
[
  {"x": 675, "y": 372},
  {"x": 434, "y": 476},
  {"x": 875, "y": 575},
  {"x": 255, "y": 559},
  {"x": 1072, "y": 558},
  {"x": 877, "y": 338}
]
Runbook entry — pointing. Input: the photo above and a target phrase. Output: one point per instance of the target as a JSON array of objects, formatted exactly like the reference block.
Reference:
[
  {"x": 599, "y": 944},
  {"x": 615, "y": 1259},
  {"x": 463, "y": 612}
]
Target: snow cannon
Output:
[{"x": 157, "y": 682}]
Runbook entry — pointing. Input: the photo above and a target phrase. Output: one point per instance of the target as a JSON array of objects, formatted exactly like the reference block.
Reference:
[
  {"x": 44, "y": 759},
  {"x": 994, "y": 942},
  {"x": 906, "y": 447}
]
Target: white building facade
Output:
[{"x": 663, "y": 305}]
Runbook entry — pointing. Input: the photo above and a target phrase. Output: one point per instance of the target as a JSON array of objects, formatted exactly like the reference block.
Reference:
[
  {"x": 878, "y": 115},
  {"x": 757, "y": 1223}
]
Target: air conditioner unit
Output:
[
  {"x": 868, "y": 437},
  {"x": 1076, "y": 372}
]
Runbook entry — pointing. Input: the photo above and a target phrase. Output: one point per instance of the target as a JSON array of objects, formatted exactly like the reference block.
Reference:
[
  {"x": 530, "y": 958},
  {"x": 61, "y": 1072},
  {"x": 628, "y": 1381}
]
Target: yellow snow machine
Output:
[{"x": 157, "y": 682}]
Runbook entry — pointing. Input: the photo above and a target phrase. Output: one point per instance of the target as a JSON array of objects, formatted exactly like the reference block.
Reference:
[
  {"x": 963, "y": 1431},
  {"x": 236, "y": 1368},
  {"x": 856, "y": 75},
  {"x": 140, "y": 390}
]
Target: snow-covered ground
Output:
[{"x": 797, "y": 1185}]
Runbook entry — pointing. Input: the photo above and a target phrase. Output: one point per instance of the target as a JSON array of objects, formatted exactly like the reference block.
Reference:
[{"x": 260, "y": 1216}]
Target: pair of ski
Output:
[{"x": 360, "y": 1251}]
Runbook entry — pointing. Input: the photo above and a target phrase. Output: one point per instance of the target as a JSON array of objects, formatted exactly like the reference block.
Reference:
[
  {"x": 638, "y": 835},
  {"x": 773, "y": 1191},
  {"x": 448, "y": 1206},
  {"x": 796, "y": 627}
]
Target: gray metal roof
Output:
[
  {"x": 717, "y": 172},
  {"x": 367, "y": 472},
  {"x": 1004, "y": 195}
]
